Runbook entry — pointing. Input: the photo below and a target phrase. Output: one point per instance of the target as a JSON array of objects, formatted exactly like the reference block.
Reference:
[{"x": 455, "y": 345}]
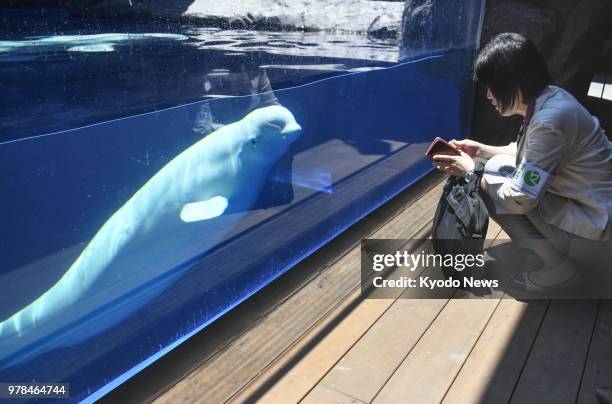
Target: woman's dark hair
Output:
[{"x": 510, "y": 62}]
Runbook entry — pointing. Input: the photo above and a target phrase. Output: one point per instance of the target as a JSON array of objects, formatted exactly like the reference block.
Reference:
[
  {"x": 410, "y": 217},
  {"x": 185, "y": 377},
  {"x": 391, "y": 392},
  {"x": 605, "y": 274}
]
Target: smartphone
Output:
[{"x": 440, "y": 146}]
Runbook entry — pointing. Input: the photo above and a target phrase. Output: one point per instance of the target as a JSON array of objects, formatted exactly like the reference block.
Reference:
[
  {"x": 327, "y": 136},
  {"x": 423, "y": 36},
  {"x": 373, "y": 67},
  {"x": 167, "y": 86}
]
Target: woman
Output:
[{"x": 561, "y": 188}]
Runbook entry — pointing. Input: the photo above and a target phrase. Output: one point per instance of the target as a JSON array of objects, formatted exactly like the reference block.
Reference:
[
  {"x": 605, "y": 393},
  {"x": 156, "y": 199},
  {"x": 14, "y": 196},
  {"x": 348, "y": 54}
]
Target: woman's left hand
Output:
[{"x": 458, "y": 166}]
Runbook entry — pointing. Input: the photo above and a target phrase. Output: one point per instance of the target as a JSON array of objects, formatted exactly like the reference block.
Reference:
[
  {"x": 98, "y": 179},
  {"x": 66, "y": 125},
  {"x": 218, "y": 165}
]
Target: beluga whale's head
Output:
[{"x": 270, "y": 132}]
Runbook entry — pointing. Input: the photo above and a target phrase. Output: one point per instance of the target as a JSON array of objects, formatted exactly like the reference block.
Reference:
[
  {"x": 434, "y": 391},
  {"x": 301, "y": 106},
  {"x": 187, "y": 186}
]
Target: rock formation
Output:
[{"x": 378, "y": 18}]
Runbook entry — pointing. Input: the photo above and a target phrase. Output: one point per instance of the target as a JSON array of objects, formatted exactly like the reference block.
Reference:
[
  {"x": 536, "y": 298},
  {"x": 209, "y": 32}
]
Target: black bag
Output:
[{"x": 461, "y": 220}]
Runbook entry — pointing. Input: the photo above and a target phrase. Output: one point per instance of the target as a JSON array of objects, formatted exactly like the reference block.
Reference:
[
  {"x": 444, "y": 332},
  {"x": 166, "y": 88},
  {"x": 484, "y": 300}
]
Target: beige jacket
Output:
[{"x": 564, "y": 168}]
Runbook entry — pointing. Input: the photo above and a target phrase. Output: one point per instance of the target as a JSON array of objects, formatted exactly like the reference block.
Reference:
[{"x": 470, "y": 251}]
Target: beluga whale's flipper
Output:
[{"x": 208, "y": 209}]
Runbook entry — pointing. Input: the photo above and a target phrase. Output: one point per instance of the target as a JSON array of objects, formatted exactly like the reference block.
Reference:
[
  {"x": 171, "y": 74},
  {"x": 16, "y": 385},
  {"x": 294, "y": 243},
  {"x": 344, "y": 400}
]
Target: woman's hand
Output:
[
  {"x": 470, "y": 147},
  {"x": 458, "y": 166}
]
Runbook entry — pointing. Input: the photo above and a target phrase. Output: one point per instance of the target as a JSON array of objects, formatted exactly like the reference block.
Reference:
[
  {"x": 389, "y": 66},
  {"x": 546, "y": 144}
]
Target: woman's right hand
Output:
[{"x": 470, "y": 147}]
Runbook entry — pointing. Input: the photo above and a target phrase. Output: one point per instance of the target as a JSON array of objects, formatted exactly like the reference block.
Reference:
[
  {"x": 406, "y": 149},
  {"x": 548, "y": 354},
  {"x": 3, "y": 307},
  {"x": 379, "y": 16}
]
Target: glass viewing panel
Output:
[{"x": 155, "y": 174}]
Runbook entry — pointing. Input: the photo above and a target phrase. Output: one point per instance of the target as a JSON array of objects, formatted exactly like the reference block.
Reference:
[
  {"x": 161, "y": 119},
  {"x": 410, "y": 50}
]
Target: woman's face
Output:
[
  {"x": 495, "y": 103},
  {"x": 513, "y": 110},
  {"x": 491, "y": 98}
]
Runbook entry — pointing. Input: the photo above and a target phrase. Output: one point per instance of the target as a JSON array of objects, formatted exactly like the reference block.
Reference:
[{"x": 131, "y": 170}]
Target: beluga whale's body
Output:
[
  {"x": 186, "y": 208},
  {"x": 83, "y": 43}
]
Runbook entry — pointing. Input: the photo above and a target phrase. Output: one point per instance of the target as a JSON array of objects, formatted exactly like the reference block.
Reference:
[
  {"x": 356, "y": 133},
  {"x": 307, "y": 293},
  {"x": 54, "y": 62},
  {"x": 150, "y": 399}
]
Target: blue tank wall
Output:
[{"x": 73, "y": 157}]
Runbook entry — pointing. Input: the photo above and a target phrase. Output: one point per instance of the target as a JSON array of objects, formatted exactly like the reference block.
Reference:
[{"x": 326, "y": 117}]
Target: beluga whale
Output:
[
  {"x": 183, "y": 210},
  {"x": 83, "y": 43}
]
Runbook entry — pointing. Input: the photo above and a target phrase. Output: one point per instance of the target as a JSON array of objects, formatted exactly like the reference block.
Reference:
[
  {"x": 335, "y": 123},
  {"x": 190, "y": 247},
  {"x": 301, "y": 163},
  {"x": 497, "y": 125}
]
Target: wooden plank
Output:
[
  {"x": 598, "y": 371},
  {"x": 166, "y": 372},
  {"x": 251, "y": 353},
  {"x": 500, "y": 235},
  {"x": 253, "y": 391},
  {"x": 430, "y": 368},
  {"x": 299, "y": 379},
  {"x": 370, "y": 363},
  {"x": 494, "y": 231},
  {"x": 220, "y": 377},
  {"x": 416, "y": 216},
  {"x": 554, "y": 368},
  {"x": 494, "y": 365},
  {"x": 332, "y": 338},
  {"x": 325, "y": 395}
]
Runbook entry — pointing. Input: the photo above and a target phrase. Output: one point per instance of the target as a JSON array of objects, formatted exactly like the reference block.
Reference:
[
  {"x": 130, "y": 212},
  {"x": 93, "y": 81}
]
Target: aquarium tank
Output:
[{"x": 162, "y": 161}]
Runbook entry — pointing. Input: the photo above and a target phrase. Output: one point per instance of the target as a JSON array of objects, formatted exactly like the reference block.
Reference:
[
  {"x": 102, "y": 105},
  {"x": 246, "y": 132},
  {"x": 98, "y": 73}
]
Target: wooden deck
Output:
[
  {"x": 318, "y": 341},
  {"x": 454, "y": 351}
]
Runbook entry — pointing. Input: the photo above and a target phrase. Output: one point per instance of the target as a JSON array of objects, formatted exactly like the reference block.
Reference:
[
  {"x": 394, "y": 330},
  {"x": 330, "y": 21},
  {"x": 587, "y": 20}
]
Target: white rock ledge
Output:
[{"x": 378, "y": 18}]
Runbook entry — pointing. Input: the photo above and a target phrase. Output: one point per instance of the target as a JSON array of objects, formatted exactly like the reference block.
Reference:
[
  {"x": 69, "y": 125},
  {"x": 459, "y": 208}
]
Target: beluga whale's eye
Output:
[{"x": 253, "y": 142}]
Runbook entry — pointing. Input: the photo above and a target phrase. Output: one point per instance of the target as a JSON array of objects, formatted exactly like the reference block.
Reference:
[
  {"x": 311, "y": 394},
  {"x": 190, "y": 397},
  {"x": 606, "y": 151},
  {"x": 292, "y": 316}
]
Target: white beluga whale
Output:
[
  {"x": 183, "y": 210},
  {"x": 83, "y": 43},
  {"x": 96, "y": 48}
]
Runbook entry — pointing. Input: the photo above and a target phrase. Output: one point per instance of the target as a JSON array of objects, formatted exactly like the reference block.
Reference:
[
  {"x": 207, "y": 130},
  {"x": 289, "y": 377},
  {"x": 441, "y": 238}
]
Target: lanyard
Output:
[{"x": 528, "y": 116}]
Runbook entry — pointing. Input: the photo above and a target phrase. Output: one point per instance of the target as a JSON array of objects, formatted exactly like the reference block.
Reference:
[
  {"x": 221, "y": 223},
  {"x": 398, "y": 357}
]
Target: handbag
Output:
[{"x": 461, "y": 220}]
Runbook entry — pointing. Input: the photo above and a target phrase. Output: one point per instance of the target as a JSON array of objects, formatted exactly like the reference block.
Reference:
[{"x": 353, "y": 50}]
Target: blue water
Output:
[
  {"x": 83, "y": 131},
  {"x": 46, "y": 87}
]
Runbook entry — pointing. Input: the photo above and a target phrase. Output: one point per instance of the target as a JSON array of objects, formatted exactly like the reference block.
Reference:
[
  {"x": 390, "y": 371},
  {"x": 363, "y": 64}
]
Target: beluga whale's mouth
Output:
[
  {"x": 292, "y": 129},
  {"x": 276, "y": 125}
]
